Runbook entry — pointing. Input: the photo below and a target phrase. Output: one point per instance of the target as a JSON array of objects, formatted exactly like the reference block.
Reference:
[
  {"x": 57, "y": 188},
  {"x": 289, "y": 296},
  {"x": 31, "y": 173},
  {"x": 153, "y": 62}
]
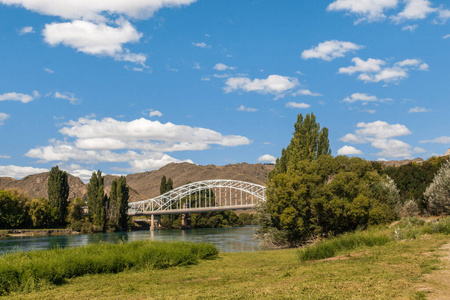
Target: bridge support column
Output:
[
  {"x": 155, "y": 222},
  {"x": 185, "y": 220}
]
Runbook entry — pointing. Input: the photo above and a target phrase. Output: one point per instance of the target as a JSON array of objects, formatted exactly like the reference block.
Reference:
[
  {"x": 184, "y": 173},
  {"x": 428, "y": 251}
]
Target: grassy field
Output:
[{"x": 392, "y": 271}]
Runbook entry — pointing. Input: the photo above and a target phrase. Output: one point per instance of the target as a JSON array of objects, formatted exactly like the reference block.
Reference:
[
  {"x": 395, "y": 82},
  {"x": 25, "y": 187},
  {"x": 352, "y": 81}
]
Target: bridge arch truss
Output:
[{"x": 202, "y": 196}]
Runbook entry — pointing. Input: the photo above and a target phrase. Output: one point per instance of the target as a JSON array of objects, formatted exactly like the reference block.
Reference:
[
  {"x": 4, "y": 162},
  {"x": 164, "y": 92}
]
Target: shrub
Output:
[
  {"x": 409, "y": 209},
  {"x": 437, "y": 193}
]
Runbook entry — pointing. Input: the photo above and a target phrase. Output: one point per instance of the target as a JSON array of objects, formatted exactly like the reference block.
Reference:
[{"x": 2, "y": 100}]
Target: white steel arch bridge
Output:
[{"x": 202, "y": 196}]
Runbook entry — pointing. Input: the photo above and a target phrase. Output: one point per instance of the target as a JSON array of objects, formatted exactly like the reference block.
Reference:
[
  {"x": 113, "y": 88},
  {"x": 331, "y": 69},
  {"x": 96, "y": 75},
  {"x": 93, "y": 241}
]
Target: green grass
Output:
[
  {"x": 392, "y": 271},
  {"x": 343, "y": 243},
  {"x": 27, "y": 271}
]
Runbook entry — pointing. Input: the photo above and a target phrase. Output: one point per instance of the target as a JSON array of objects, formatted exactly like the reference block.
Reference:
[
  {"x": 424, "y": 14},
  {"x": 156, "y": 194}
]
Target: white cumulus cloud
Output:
[
  {"x": 274, "y": 84},
  {"x": 330, "y": 50},
  {"x": 156, "y": 113},
  {"x": 414, "y": 9},
  {"x": 297, "y": 105},
  {"x": 95, "y": 39},
  {"x": 374, "y": 70},
  {"x": 201, "y": 45},
  {"x": 349, "y": 150},
  {"x": 306, "y": 92},
  {"x": 267, "y": 158},
  {"x": 222, "y": 67},
  {"x": 381, "y": 136},
  {"x": 24, "y": 98},
  {"x": 19, "y": 172},
  {"x": 366, "y": 10}
]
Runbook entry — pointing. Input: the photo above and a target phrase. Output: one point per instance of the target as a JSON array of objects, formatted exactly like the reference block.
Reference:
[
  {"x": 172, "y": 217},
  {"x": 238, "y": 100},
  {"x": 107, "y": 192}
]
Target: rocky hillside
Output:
[{"x": 146, "y": 185}]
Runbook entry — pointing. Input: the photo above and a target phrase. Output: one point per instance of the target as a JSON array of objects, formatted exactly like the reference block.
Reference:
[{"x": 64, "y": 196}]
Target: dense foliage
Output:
[
  {"x": 412, "y": 179},
  {"x": 58, "y": 192},
  {"x": 97, "y": 201},
  {"x": 438, "y": 192},
  {"x": 311, "y": 194},
  {"x": 118, "y": 203}
]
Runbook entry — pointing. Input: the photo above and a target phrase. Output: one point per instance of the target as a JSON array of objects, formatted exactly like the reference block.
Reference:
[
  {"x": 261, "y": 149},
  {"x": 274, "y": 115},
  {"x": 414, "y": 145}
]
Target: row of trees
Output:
[
  {"x": 105, "y": 213},
  {"x": 311, "y": 194}
]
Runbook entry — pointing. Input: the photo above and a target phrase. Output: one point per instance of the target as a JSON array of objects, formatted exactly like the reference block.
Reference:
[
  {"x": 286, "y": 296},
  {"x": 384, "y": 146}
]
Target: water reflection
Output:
[{"x": 239, "y": 239}]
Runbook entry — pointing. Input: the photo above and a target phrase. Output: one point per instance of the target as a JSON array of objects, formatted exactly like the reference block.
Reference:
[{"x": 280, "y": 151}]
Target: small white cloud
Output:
[
  {"x": 370, "y": 111},
  {"x": 247, "y": 109},
  {"x": 3, "y": 117},
  {"x": 444, "y": 15},
  {"x": 273, "y": 84},
  {"x": 446, "y": 36},
  {"x": 155, "y": 113},
  {"x": 19, "y": 172},
  {"x": 349, "y": 150},
  {"x": 299, "y": 73},
  {"x": 364, "y": 98},
  {"x": 414, "y": 9},
  {"x": 330, "y": 50},
  {"x": 306, "y": 93},
  {"x": 26, "y": 30},
  {"x": 381, "y": 130},
  {"x": 297, "y": 105},
  {"x": 201, "y": 45},
  {"x": 67, "y": 96},
  {"x": 24, "y": 98},
  {"x": 196, "y": 66},
  {"x": 439, "y": 140},
  {"x": 96, "y": 39},
  {"x": 5, "y": 156},
  {"x": 366, "y": 10},
  {"x": 411, "y": 28},
  {"x": 267, "y": 158},
  {"x": 418, "y": 110},
  {"x": 222, "y": 67},
  {"x": 419, "y": 150},
  {"x": 374, "y": 70},
  {"x": 50, "y": 71}
]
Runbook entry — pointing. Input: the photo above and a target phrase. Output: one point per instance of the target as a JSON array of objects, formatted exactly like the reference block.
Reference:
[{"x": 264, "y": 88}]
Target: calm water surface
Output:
[{"x": 240, "y": 239}]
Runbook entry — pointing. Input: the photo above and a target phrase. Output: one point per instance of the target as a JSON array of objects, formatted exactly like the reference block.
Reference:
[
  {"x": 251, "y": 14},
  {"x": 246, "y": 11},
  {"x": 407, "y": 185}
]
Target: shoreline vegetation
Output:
[
  {"x": 34, "y": 270},
  {"x": 361, "y": 264}
]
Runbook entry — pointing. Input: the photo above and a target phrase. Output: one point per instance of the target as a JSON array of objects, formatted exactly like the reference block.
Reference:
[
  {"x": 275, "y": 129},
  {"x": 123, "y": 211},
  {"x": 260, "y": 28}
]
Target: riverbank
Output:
[
  {"x": 396, "y": 270},
  {"x": 36, "y": 232}
]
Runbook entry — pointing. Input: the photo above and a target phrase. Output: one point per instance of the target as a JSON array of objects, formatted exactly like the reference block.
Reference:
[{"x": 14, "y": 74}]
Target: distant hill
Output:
[{"x": 146, "y": 185}]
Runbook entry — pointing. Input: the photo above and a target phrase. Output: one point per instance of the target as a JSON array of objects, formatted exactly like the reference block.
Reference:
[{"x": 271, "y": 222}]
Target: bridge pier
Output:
[
  {"x": 186, "y": 219},
  {"x": 155, "y": 222}
]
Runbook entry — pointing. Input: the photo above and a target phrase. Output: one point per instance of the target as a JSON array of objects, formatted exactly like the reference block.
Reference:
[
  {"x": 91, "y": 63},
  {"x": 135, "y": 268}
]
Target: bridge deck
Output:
[{"x": 191, "y": 210}]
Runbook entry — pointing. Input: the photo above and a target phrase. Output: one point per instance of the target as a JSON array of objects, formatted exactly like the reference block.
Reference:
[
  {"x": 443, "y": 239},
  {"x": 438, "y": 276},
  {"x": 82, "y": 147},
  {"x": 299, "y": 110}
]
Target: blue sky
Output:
[{"x": 129, "y": 86}]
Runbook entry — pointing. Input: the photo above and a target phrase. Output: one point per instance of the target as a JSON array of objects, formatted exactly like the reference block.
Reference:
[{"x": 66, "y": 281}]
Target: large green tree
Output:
[
  {"x": 58, "y": 192},
  {"x": 311, "y": 194},
  {"x": 97, "y": 200},
  {"x": 12, "y": 210},
  {"x": 119, "y": 203}
]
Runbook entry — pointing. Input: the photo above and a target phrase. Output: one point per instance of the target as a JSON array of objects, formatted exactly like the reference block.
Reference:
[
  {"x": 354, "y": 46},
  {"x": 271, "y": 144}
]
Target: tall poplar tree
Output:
[
  {"x": 58, "y": 192},
  {"x": 308, "y": 143},
  {"x": 97, "y": 200},
  {"x": 119, "y": 203},
  {"x": 162, "y": 187}
]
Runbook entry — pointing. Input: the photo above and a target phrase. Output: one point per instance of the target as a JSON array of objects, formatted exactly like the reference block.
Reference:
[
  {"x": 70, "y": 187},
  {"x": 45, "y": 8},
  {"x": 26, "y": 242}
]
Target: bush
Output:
[
  {"x": 410, "y": 209},
  {"x": 437, "y": 193},
  {"x": 25, "y": 271},
  {"x": 348, "y": 241}
]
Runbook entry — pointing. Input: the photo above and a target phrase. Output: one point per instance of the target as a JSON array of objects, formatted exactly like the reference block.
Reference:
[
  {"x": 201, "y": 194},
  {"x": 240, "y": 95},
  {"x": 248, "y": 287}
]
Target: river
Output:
[{"x": 236, "y": 239}]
